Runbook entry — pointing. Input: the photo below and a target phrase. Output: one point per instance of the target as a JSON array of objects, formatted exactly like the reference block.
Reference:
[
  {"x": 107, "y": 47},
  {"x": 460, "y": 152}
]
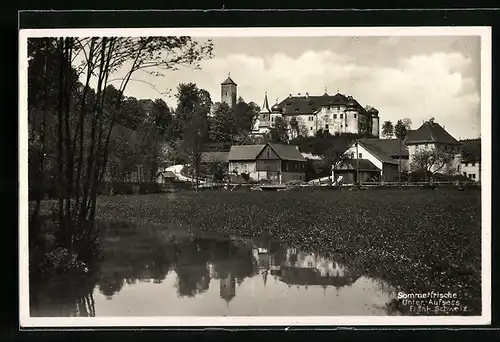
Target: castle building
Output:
[
  {"x": 306, "y": 115},
  {"x": 229, "y": 91}
]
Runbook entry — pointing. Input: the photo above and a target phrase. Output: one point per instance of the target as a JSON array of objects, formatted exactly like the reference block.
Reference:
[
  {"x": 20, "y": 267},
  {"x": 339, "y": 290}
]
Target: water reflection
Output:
[{"x": 141, "y": 274}]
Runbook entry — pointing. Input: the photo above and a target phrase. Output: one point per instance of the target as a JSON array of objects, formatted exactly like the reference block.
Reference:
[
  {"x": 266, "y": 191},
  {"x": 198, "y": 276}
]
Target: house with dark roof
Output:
[
  {"x": 275, "y": 162},
  {"x": 348, "y": 170},
  {"x": 432, "y": 135},
  {"x": 375, "y": 156},
  {"x": 333, "y": 113},
  {"x": 470, "y": 164}
]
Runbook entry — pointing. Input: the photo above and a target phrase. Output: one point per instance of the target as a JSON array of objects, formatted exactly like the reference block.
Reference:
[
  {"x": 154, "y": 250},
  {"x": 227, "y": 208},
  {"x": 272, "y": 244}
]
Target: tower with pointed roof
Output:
[{"x": 229, "y": 91}]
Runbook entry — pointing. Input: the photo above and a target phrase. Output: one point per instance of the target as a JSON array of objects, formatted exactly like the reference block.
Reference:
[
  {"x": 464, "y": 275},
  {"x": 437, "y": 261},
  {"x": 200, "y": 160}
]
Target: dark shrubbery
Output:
[{"x": 119, "y": 188}]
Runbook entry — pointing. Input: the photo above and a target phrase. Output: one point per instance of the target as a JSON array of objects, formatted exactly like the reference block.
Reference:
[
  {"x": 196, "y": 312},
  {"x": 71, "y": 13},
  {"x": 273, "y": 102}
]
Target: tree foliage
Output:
[
  {"x": 80, "y": 116},
  {"x": 431, "y": 160},
  {"x": 387, "y": 129},
  {"x": 222, "y": 125},
  {"x": 279, "y": 133},
  {"x": 401, "y": 128}
]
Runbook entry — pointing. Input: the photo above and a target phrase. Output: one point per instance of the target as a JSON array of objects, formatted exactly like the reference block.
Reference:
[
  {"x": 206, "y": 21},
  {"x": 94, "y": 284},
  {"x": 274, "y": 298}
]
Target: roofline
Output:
[
  {"x": 415, "y": 142},
  {"x": 279, "y": 155},
  {"x": 375, "y": 155},
  {"x": 266, "y": 144},
  {"x": 380, "y": 160}
]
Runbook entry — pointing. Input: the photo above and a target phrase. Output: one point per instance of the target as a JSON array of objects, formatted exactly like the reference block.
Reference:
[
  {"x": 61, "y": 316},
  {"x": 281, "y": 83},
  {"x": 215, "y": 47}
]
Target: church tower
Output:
[{"x": 229, "y": 91}]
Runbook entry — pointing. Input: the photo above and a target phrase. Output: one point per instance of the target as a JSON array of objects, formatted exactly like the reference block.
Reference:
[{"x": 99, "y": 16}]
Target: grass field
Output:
[{"x": 416, "y": 240}]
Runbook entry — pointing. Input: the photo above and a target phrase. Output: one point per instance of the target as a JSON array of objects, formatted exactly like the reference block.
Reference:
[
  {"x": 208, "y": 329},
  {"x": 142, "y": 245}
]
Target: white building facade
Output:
[{"x": 306, "y": 115}]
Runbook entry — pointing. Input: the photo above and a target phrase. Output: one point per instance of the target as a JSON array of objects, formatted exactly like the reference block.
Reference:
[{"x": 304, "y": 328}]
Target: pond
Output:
[{"x": 144, "y": 274}]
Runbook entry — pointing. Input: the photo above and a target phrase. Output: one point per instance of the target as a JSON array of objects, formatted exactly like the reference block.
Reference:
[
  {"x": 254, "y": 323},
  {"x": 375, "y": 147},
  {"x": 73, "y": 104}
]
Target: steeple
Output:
[{"x": 265, "y": 105}]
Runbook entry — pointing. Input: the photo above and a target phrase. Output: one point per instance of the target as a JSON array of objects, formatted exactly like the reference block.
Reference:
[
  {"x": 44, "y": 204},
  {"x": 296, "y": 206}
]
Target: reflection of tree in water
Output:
[
  {"x": 230, "y": 263},
  {"x": 191, "y": 266},
  {"x": 63, "y": 296},
  {"x": 132, "y": 258},
  {"x": 111, "y": 283},
  {"x": 229, "y": 259}
]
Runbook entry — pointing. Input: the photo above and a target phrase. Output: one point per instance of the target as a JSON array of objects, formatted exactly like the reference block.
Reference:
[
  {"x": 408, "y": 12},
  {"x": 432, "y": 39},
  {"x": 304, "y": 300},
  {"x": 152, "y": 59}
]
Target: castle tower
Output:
[
  {"x": 351, "y": 115},
  {"x": 229, "y": 91},
  {"x": 228, "y": 288},
  {"x": 375, "y": 122}
]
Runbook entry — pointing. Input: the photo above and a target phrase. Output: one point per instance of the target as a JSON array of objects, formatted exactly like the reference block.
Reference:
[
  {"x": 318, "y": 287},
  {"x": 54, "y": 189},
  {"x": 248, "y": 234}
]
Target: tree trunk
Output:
[{"x": 61, "y": 180}]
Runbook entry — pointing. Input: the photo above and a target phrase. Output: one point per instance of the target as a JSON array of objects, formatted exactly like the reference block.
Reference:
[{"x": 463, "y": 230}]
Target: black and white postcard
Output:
[{"x": 255, "y": 176}]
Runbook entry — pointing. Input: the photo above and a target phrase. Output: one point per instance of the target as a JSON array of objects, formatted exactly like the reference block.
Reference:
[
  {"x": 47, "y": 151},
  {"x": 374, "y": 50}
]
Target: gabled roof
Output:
[
  {"x": 207, "y": 157},
  {"x": 244, "y": 152},
  {"x": 351, "y": 164},
  {"x": 228, "y": 80},
  {"x": 430, "y": 132},
  {"x": 385, "y": 149},
  {"x": 250, "y": 152},
  {"x": 295, "y": 105},
  {"x": 287, "y": 152}
]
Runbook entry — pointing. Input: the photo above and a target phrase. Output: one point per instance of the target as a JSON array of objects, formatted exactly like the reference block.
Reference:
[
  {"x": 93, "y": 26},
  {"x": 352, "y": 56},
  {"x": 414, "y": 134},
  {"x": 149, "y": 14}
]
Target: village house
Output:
[
  {"x": 275, "y": 162},
  {"x": 470, "y": 163},
  {"x": 378, "y": 159},
  {"x": 432, "y": 135}
]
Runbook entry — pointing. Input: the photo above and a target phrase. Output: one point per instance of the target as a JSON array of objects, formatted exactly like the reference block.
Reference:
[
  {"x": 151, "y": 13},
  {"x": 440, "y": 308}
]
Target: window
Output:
[
  {"x": 355, "y": 116},
  {"x": 473, "y": 164},
  {"x": 268, "y": 154},
  {"x": 473, "y": 176},
  {"x": 341, "y": 126},
  {"x": 311, "y": 128},
  {"x": 329, "y": 107},
  {"x": 326, "y": 126},
  {"x": 360, "y": 155},
  {"x": 296, "y": 109},
  {"x": 341, "y": 116},
  {"x": 465, "y": 174},
  {"x": 272, "y": 119},
  {"x": 346, "y": 125},
  {"x": 334, "y": 116},
  {"x": 466, "y": 164}
]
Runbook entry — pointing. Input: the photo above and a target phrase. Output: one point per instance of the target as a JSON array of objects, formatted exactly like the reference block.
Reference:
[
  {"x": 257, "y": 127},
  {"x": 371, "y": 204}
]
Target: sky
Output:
[{"x": 403, "y": 77}]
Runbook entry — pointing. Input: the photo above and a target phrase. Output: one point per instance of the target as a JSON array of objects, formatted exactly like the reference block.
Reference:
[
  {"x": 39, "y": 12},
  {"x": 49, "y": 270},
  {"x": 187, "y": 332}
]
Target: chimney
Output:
[
  {"x": 290, "y": 95},
  {"x": 299, "y": 94},
  {"x": 307, "y": 95}
]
